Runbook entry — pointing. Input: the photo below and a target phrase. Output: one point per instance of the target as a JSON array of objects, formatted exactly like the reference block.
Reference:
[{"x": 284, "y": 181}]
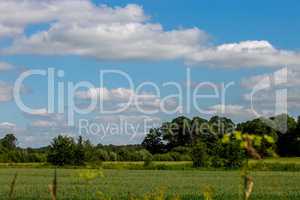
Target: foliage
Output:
[
  {"x": 173, "y": 141},
  {"x": 9, "y": 152},
  {"x": 200, "y": 156},
  {"x": 61, "y": 151},
  {"x": 79, "y": 153},
  {"x": 8, "y": 142},
  {"x": 153, "y": 141}
]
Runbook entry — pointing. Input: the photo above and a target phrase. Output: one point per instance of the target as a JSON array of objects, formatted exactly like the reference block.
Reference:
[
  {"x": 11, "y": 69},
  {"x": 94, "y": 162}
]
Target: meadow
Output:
[
  {"x": 32, "y": 183},
  {"x": 270, "y": 164}
]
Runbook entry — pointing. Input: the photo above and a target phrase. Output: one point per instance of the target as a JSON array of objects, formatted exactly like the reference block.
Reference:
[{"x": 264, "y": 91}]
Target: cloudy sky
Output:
[{"x": 156, "y": 55}]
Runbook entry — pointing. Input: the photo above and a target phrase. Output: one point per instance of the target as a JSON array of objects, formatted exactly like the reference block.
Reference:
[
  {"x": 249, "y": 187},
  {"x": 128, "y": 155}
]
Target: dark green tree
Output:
[
  {"x": 9, "y": 142},
  {"x": 221, "y": 125},
  {"x": 178, "y": 132},
  {"x": 289, "y": 142},
  {"x": 79, "y": 153},
  {"x": 61, "y": 151},
  {"x": 153, "y": 141}
]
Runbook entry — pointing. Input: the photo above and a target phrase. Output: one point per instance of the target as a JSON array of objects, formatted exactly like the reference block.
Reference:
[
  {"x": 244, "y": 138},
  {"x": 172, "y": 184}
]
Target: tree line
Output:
[{"x": 214, "y": 142}]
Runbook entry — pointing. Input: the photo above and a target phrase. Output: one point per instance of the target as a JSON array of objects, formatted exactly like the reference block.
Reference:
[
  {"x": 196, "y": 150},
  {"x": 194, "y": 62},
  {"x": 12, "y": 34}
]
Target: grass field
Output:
[
  {"x": 33, "y": 184},
  {"x": 272, "y": 164}
]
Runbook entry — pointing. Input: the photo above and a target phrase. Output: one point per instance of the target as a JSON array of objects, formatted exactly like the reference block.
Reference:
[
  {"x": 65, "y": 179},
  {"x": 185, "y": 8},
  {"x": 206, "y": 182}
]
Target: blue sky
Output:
[{"x": 219, "y": 41}]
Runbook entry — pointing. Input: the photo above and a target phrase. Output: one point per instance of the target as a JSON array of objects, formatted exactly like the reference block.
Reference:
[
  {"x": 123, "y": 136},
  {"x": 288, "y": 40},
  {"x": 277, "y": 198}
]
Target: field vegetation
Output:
[{"x": 136, "y": 184}]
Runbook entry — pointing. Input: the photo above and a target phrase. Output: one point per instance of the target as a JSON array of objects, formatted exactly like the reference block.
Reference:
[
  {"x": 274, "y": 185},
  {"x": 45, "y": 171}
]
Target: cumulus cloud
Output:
[
  {"x": 7, "y": 125},
  {"x": 5, "y": 92},
  {"x": 43, "y": 119},
  {"x": 15, "y": 15},
  {"x": 43, "y": 124},
  {"x": 128, "y": 100},
  {"x": 234, "y": 111},
  {"x": 85, "y": 29},
  {"x": 133, "y": 119},
  {"x": 5, "y": 66},
  {"x": 278, "y": 89},
  {"x": 246, "y": 54},
  {"x": 111, "y": 41},
  {"x": 269, "y": 99},
  {"x": 117, "y": 94},
  {"x": 291, "y": 80},
  {"x": 82, "y": 28}
]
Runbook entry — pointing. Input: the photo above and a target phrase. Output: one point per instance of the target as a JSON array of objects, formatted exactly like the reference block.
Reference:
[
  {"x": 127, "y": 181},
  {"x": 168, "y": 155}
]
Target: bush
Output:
[
  {"x": 163, "y": 157},
  {"x": 148, "y": 162},
  {"x": 144, "y": 155},
  {"x": 182, "y": 150},
  {"x": 233, "y": 155},
  {"x": 176, "y": 156},
  {"x": 199, "y": 155},
  {"x": 185, "y": 157},
  {"x": 112, "y": 156},
  {"x": 102, "y": 155}
]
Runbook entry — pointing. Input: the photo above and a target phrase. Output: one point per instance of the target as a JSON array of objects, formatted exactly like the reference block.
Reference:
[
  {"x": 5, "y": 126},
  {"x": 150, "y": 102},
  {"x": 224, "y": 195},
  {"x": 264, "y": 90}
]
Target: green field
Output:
[
  {"x": 33, "y": 184},
  {"x": 272, "y": 164}
]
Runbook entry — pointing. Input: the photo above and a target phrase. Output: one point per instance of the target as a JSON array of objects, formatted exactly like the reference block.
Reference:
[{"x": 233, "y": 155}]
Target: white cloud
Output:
[
  {"x": 5, "y": 92},
  {"x": 117, "y": 94},
  {"x": 292, "y": 79},
  {"x": 5, "y": 66},
  {"x": 82, "y": 28},
  {"x": 6, "y": 128},
  {"x": 85, "y": 29},
  {"x": 9, "y": 30},
  {"x": 235, "y": 112},
  {"x": 246, "y": 54},
  {"x": 131, "y": 119},
  {"x": 39, "y": 112},
  {"x": 43, "y": 124},
  {"x": 129, "y": 100},
  {"x": 7, "y": 125},
  {"x": 271, "y": 83},
  {"x": 111, "y": 41},
  {"x": 15, "y": 15},
  {"x": 252, "y": 81},
  {"x": 267, "y": 99},
  {"x": 94, "y": 93}
]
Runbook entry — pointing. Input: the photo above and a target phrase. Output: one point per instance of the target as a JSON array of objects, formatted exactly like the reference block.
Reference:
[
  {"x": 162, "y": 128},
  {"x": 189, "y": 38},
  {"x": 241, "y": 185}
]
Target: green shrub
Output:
[
  {"x": 233, "y": 155},
  {"x": 148, "y": 162},
  {"x": 102, "y": 155},
  {"x": 144, "y": 155},
  {"x": 112, "y": 156},
  {"x": 199, "y": 155},
  {"x": 163, "y": 157}
]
